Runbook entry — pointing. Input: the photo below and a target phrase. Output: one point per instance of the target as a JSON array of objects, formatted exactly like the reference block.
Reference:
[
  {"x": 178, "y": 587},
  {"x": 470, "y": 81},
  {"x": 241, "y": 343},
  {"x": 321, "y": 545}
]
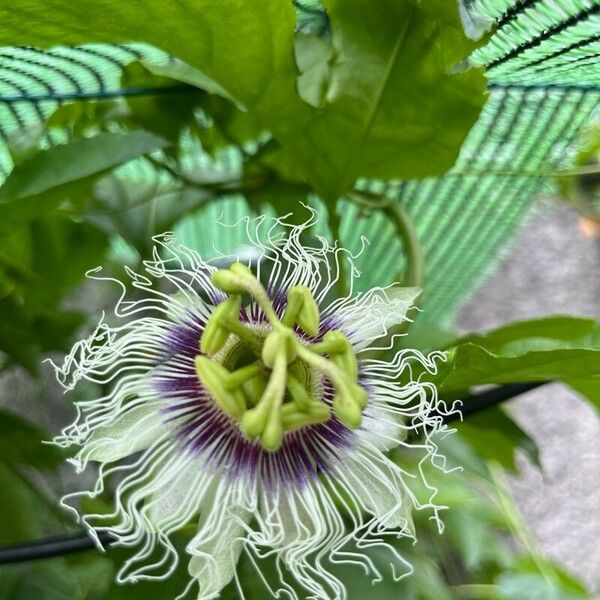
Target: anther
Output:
[
  {"x": 302, "y": 310},
  {"x": 213, "y": 376},
  {"x": 215, "y": 334}
]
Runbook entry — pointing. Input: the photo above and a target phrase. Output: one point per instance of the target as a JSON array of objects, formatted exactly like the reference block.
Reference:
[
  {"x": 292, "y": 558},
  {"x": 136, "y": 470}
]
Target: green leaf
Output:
[
  {"x": 20, "y": 518},
  {"x": 39, "y": 264},
  {"x": 163, "y": 114},
  {"x": 495, "y": 436},
  {"x": 24, "y": 193},
  {"x": 395, "y": 106},
  {"x": 538, "y": 587},
  {"x": 474, "y": 365},
  {"x": 554, "y": 348},
  {"x": 313, "y": 55},
  {"x": 137, "y": 210},
  {"x": 83, "y": 576},
  {"x": 238, "y": 44},
  {"x": 21, "y": 443},
  {"x": 548, "y": 333}
]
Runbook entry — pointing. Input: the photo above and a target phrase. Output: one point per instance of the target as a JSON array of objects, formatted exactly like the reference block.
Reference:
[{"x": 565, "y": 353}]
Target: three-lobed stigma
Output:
[{"x": 264, "y": 377}]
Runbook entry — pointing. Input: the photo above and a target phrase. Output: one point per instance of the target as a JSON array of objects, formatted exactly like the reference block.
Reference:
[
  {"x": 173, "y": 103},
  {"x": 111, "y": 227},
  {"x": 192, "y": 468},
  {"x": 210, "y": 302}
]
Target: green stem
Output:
[{"x": 415, "y": 257}]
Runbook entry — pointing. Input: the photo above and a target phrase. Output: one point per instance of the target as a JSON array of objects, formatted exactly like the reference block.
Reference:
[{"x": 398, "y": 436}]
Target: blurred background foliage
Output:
[{"x": 173, "y": 116}]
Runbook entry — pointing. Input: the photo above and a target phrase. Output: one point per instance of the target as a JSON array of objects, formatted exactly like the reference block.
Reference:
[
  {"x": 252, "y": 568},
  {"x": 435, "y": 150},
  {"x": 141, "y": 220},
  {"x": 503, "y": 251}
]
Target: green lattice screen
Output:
[{"x": 544, "y": 79}]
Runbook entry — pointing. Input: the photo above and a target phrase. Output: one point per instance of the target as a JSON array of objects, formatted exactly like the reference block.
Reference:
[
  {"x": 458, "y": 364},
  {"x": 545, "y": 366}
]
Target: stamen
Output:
[
  {"x": 215, "y": 335},
  {"x": 239, "y": 278},
  {"x": 213, "y": 375},
  {"x": 240, "y": 376},
  {"x": 298, "y": 392},
  {"x": 302, "y": 310},
  {"x": 294, "y": 418},
  {"x": 348, "y": 401},
  {"x": 265, "y": 419},
  {"x": 255, "y": 394}
]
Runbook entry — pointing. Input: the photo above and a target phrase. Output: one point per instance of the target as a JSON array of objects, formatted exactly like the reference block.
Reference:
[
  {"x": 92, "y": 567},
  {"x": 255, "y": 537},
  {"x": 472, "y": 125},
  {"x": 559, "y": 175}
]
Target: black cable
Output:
[
  {"x": 59, "y": 546},
  {"x": 482, "y": 400},
  {"x": 51, "y": 547}
]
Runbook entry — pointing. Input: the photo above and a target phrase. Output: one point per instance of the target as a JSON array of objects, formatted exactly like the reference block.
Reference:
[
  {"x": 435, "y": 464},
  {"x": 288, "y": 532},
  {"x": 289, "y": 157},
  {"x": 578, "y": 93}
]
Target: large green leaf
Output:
[
  {"x": 554, "y": 348},
  {"x": 394, "y": 106},
  {"x": 25, "y": 192},
  {"x": 234, "y": 42},
  {"x": 473, "y": 365},
  {"x": 164, "y": 115},
  {"x": 547, "y": 333}
]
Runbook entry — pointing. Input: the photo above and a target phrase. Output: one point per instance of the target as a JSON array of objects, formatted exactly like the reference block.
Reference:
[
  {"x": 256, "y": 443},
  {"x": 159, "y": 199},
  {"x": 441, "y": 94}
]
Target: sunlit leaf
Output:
[
  {"x": 25, "y": 191},
  {"x": 555, "y": 348},
  {"x": 394, "y": 107}
]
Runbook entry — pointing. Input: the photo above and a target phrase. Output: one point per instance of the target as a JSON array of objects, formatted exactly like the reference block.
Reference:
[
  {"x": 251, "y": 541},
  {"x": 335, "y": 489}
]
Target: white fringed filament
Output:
[{"x": 359, "y": 500}]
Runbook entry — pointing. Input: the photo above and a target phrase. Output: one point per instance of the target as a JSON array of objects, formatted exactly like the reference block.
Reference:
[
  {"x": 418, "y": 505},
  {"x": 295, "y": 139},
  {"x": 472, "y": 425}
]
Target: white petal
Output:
[
  {"x": 130, "y": 432},
  {"x": 180, "y": 496},
  {"x": 382, "y": 428},
  {"x": 377, "y": 483},
  {"x": 217, "y": 546},
  {"x": 370, "y": 315}
]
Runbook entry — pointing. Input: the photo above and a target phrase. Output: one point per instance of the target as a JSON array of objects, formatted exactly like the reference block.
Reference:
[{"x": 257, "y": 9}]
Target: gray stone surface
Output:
[{"x": 552, "y": 268}]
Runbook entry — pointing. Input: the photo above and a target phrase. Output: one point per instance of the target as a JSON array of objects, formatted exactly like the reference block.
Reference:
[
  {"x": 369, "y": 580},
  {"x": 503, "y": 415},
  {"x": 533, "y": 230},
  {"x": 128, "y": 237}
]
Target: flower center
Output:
[{"x": 265, "y": 376}]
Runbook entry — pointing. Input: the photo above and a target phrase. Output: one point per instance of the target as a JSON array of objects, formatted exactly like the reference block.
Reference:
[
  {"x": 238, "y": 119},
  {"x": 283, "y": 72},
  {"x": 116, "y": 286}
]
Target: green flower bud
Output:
[{"x": 215, "y": 334}]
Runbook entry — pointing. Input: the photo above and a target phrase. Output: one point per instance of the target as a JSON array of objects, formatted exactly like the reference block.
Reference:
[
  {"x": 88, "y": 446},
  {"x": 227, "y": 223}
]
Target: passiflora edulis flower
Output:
[{"x": 243, "y": 401}]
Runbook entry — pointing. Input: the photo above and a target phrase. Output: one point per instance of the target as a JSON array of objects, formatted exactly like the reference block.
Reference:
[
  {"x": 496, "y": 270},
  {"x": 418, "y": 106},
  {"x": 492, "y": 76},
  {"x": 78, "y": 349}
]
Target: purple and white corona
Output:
[{"x": 244, "y": 401}]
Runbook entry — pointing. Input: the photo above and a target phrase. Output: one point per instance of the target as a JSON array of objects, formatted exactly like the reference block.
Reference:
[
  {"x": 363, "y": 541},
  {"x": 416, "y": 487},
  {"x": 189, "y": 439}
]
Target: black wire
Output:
[
  {"x": 51, "y": 547},
  {"x": 188, "y": 89},
  {"x": 482, "y": 400},
  {"x": 101, "y": 94},
  {"x": 59, "y": 546}
]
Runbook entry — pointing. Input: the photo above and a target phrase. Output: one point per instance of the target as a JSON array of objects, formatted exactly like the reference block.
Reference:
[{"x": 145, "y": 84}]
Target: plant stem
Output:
[{"x": 415, "y": 257}]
